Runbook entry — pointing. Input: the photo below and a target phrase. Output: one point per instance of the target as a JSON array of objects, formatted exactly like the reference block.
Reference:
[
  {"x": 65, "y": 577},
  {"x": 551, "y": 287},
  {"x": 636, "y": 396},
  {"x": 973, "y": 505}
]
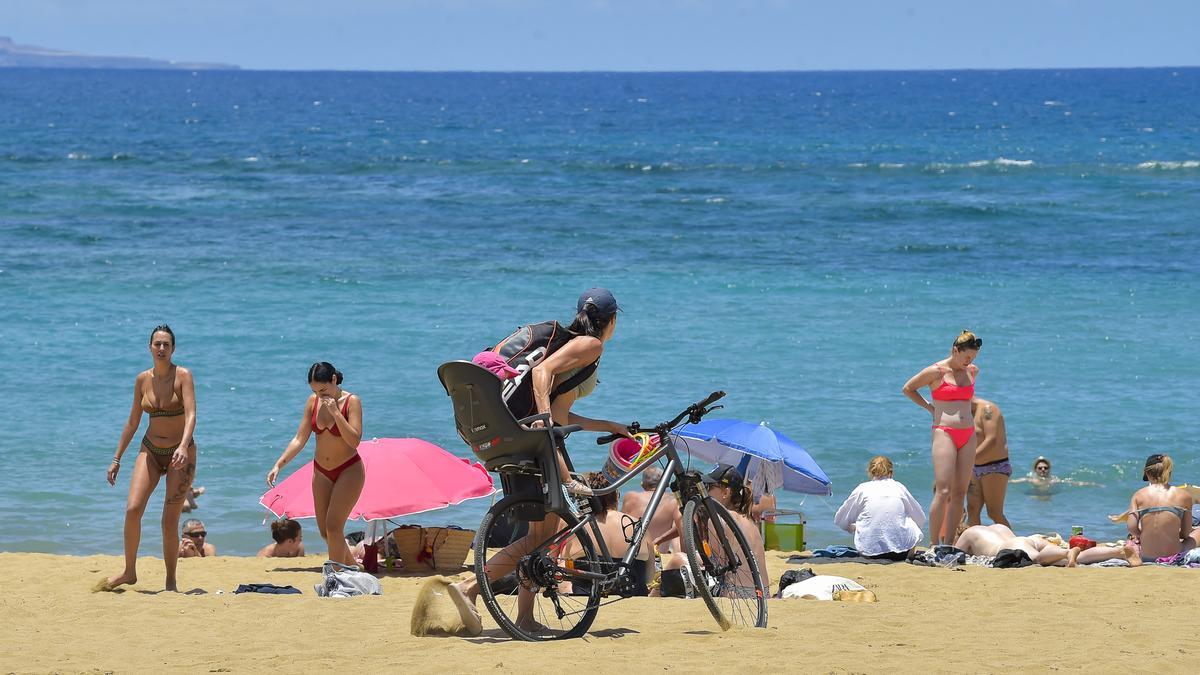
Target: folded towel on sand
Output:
[
  {"x": 271, "y": 589},
  {"x": 801, "y": 560}
]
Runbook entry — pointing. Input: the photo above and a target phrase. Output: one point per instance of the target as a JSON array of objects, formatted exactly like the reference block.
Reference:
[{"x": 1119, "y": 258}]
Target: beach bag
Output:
[
  {"x": 627, "y": 453},
  {"x": 524, "y": 349},
  {"x": 440, "y": 549}
]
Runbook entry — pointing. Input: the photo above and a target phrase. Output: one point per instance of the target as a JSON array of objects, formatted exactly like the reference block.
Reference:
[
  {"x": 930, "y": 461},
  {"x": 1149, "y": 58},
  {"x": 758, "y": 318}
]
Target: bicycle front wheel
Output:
[
  {"x": 724, "y": 568},
  {"x": 525, "y": 584}
]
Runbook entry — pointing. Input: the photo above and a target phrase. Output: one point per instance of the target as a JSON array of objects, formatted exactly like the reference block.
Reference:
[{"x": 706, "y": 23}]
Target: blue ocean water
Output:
[{"x": 804, "y": 241}]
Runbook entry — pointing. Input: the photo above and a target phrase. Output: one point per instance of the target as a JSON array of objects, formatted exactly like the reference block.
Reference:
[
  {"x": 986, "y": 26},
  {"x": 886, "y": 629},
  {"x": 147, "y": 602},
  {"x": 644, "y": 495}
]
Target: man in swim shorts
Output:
[{"x": 989, "y": 480}]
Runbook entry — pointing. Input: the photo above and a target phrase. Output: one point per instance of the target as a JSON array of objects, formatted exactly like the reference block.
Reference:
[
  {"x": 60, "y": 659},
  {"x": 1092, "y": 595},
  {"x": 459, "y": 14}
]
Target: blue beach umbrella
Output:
[{"x": 765, "y": 456}]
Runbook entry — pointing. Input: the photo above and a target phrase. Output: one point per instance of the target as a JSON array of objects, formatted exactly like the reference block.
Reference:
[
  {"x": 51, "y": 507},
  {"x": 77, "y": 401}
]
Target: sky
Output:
[{"x": 625, "y": 35}]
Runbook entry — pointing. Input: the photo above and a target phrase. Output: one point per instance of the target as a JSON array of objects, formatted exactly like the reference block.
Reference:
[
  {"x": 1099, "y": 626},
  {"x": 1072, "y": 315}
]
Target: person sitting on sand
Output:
[
  {"x": 613, "y": 524},
  {"x": 1160, "y": 515},
  {"x": 194, "y": 543},
  {"x": 882, "y": 514},
  {"x": 289, "y": 541},
  {"x": 989, "y": 481},
  {"x": 995, "y": 540},
  {"x": 727, "y": 487},
  {"x": 635, "y": 503}
]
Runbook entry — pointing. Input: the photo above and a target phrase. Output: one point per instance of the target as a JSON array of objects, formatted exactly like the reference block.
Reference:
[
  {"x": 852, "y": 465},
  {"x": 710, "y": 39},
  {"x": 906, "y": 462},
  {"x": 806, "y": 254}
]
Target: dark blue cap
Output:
[
  {"x": 602, "y": 298},
  {"x": 724, "y": 474}
]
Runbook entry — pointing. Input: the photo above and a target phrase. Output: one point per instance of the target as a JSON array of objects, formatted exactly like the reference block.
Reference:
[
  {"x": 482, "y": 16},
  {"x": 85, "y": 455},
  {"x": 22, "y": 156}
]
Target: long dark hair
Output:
[
  {"x": 742, "y": 498},
  {"x": 323, "y": 371},
  {"x": 589, "y": 321}
]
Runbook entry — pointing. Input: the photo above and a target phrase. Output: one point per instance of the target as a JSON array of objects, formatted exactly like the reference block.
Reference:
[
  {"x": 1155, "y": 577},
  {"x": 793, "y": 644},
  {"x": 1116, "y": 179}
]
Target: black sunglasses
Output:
[
  {"x": 196, "y": 535},
  {"x": 970, "y": 344}
]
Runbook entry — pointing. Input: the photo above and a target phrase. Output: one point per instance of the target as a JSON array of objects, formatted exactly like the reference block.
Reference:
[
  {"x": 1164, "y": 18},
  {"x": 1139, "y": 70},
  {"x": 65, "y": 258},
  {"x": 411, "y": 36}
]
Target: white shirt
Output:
[{"x": 883, "y": 516}]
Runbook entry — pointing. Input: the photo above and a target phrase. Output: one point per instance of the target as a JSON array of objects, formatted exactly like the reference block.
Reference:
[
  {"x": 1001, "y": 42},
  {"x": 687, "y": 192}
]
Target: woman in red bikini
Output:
[
  {"x": 167, "y": 395},
  {"x": 338, "y": 476},
  {"x": 952, "y": 385}
]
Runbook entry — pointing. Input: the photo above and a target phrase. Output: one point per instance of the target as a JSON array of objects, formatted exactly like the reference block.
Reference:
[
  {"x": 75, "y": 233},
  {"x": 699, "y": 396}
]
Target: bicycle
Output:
[{"x": 726, "y": 573}]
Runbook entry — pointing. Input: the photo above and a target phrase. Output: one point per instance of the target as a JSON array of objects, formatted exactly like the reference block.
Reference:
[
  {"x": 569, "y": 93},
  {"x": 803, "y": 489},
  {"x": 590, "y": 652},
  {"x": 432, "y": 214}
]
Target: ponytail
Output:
[
  {"x": 323, "y": 371},
  {"x": 589, "y": 321}
]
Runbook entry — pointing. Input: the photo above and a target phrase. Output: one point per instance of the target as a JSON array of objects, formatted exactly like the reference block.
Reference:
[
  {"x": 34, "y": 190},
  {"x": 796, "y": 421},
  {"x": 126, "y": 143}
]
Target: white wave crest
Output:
[
  {"x": 1001, "y": 161},
  {"x": 1169, "y": 166}
]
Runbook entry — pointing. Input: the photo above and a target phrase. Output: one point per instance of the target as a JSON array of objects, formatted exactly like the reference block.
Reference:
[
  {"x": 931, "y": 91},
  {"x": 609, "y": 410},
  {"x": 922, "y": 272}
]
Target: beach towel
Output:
[
  {"x": 820, "y": 587},
  {"x": 942, "y": 555},
  {"x": 801, "y": 560},
  {"x": 835, "y": 552},
  {"x": 344, "y": 581},
  {"x": 271, "y": 589}
]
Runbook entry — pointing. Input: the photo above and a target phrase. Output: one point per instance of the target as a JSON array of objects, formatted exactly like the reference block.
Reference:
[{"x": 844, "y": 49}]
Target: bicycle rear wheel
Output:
[
  {"x": 530, "y": 557},
  {"x": 723, "y": 565}
]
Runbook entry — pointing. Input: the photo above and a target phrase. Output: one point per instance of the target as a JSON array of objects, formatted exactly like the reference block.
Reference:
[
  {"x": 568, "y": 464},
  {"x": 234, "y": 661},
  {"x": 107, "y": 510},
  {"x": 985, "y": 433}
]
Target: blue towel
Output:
[{"x": 835, "y": 552}]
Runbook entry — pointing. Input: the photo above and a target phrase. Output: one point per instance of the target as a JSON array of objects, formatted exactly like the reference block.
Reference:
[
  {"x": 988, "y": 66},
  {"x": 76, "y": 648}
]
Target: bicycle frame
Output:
[{"x": 673, "y": 468}]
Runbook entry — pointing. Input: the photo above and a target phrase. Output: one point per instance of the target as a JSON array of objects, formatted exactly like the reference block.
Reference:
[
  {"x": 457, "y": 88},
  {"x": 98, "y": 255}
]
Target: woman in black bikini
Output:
[
  {"x": 338, "y": 474},
  {"x": 167, "y": 393}
]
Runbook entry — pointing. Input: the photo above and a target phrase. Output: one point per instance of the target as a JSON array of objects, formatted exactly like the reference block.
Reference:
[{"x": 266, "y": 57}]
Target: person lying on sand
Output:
[{"x": 994, "y": 540}]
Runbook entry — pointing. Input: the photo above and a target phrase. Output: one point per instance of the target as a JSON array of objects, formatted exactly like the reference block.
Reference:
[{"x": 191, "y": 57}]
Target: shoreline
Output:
[{"x": 929, "y": 619}]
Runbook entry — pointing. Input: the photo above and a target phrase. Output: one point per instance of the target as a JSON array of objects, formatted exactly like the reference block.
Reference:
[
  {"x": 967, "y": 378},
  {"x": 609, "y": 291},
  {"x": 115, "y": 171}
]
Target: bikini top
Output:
[
  {"x": 948, "y": 391},
  {"x": 333, "y": 429},
  {"x": 156, "y": 411},
  {"x": 1179, "y": 511}
]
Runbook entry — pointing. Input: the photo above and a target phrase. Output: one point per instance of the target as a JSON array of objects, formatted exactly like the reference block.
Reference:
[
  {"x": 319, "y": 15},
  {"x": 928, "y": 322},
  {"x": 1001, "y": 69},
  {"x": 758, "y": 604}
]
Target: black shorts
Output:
[{"x": 671, "y": 584}]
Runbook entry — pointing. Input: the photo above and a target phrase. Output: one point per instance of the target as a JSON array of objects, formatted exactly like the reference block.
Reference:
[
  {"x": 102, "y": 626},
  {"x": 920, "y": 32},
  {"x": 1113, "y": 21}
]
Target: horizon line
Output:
[{"x": 598, "y": 71}]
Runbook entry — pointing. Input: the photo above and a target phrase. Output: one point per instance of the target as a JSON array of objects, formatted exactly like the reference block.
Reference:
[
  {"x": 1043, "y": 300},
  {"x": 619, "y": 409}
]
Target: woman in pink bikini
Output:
[
  {"x": 338, "y": 475},
  {"x": 952, "y": 385}
]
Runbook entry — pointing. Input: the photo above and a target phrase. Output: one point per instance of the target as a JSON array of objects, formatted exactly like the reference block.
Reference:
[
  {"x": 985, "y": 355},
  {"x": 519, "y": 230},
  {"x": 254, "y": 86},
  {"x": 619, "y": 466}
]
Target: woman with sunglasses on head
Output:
[
  {"x": 167, "y": 394},
  {"x": 951, "y": 382},
  {"x": 338, "y": 474},
  {"x": 1160, "y": 515}
]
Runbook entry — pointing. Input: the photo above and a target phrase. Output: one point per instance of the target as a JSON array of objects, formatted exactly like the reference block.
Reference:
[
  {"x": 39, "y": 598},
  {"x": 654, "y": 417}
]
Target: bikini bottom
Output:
[
  {"x": 161, "y": 456},
  {"x": 960, "y": 435},
  {"x": 334, "y": 473}
]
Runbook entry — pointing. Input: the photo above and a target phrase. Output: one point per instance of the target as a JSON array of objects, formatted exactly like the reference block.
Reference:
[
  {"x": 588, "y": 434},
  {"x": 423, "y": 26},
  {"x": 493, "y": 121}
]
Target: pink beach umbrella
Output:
[{"x": 404, "y": 476}]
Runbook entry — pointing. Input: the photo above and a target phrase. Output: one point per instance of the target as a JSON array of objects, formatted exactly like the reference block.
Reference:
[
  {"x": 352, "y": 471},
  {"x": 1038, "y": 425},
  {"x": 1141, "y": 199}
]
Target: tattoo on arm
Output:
[{"x": 987, "y": 412}]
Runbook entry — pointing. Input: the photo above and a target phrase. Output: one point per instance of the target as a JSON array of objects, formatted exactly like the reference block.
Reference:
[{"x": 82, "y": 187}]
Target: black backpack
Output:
[{"x": 526, "y": 348}]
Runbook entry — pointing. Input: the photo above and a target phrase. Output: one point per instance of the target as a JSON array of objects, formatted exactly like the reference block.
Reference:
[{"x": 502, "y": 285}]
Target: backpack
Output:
[{"x": 524, "y": 349}]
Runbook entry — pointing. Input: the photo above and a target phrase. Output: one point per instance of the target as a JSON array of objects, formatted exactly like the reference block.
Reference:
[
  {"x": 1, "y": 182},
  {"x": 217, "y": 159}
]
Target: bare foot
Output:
[
  {"x": 1073, "y": 557},
  {"x": 171, "y": 587},
  {"x": 466, "y": 610},
  {"x": 532, "y": 626},
  {"x": 1131, "y": 555},
  {"x": 111, "y": 583}
]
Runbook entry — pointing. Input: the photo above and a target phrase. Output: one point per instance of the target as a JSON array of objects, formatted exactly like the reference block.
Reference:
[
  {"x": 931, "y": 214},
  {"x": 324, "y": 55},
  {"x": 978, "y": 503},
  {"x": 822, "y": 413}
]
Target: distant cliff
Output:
[{"x": 13, "y": 55}]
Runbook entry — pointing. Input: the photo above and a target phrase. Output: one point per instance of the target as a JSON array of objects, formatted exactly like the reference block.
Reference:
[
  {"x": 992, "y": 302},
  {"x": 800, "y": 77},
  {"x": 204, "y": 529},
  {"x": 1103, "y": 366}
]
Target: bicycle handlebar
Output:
[{"x": 694, "y": 412}]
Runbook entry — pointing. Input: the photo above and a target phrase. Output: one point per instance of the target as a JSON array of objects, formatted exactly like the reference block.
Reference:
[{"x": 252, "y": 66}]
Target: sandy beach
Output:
[{"x": 927, "y": 619}]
